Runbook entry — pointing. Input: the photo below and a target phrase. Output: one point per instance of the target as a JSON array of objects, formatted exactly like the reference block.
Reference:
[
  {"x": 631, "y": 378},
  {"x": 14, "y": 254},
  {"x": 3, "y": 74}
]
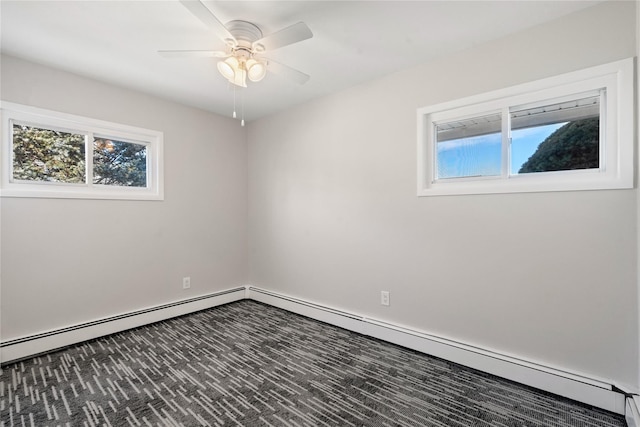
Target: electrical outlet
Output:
[
  {"x": 186, "y": 282},
  {"x": 384, "y": 297}
]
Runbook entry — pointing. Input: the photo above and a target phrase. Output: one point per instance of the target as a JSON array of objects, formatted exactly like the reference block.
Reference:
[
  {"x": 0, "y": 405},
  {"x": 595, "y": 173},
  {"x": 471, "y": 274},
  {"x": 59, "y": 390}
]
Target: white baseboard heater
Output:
[
  {"x": 574, "y": 386},
  {"x": 582, "y": 388},
  {"x": 32, "y": 345}
]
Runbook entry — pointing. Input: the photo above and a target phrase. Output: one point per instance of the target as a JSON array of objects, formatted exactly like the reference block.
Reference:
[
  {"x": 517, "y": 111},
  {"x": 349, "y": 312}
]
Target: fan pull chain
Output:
[
  {"x": 234, "y": 101},
  {"x": 242, "y": 107}
]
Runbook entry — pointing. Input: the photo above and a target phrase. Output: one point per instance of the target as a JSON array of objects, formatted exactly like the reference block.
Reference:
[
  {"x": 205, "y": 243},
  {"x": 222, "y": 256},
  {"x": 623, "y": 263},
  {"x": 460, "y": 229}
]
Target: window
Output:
[
  {"x": 469, "y": 147},
  {"x": 557, "y": 136},
  {"x": 49, "y": 154},
  {"x": 119, "y": 163},
  {"x": 570, "y": 132}
]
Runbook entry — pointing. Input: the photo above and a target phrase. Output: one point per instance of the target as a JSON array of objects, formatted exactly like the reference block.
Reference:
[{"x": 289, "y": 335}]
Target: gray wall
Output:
[
  {"x": 68, "y": 261},
  {"x": 334, "y": 217}
]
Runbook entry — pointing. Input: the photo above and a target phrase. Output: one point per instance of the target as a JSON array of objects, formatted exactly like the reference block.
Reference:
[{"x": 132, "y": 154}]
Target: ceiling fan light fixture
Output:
[
  {"x": 233, "y": 70},
  {"x": 244, "y": 40},
  {"x": 240, "y": 78},
  {"x": 228, "y": 68},
  {"x": 256, "y": 70}
]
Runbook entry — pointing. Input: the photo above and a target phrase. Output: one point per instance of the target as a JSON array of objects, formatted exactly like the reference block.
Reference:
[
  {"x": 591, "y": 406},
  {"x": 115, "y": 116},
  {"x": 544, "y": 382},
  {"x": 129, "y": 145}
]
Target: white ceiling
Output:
[{"x": 354, "y": 41}]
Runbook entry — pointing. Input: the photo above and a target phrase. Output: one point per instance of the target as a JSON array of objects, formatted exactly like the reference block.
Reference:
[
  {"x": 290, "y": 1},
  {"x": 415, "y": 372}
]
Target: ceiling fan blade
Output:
[
  {"x": 205, "y": 15},
  {"x": 287, "y": 72},
  {"x": 289, "y": 35},
  {"x": 193, "y": 53}
]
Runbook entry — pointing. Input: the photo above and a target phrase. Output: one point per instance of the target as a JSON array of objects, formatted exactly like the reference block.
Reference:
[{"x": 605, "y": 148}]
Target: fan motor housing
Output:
[{"x": 245, "y": 32}]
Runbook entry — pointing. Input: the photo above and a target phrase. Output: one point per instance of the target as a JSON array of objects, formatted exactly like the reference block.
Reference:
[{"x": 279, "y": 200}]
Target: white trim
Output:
[
  {"x": 637, "y": 236},
  {"x": 152, "y": 139},
  {"x": 308, "y": 309},
  {"x": 27, "y": 346},
  {"x": 617, "y": 165},
  {"x": 632, "y": 414},
  {"x": 580, "y": 387},
  {"x": 575, "y": 386}
]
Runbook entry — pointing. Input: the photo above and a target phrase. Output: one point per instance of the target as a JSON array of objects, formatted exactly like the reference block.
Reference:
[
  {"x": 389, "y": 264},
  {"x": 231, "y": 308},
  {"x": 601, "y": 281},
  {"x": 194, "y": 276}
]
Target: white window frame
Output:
[
  {"x": 616, "y": 169},
  {"x": 38, "y": 117}
]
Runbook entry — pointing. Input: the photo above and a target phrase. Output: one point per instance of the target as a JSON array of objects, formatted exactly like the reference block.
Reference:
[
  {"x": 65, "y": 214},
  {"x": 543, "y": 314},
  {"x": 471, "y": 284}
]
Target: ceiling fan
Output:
[{"x": 245, "y": 45}]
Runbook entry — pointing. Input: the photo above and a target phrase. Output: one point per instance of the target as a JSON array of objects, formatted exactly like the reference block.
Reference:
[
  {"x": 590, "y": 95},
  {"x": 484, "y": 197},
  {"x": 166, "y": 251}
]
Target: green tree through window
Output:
[
  {"x": 119, "y": 163},
  {"x": 48, "y": 155},
  {"x": 573, "y": 146},
  {"x": 58, "y": 155}
]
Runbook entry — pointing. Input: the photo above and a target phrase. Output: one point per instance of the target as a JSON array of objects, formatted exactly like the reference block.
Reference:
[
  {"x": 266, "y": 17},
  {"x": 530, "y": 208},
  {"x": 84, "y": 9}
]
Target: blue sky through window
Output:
[
  {"x": 471, "y": 156},
  {"x": 481, "y": 155}
]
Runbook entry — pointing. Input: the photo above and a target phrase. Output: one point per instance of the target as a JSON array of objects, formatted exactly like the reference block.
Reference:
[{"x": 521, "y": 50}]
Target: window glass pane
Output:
[
  {"x": 119, "y": 163},
  {"x": 556, "y": 137},
  {"x": 47, "y": 155},
  {"x": 470, "y": 147}
]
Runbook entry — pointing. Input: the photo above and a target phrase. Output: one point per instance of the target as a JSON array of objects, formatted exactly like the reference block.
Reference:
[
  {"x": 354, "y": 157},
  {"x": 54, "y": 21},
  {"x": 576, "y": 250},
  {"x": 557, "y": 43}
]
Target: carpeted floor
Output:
[{"x": 248, "y": 364}]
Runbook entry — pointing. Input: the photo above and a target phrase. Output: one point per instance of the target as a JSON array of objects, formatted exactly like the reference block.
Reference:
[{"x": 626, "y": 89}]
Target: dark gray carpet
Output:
[{"x": 248, "y": 364}]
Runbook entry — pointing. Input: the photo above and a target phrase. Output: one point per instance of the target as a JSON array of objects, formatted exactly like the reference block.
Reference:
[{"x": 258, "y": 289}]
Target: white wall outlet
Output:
[
  {"x": 186, "y": 282},
  {"x": 384, "y": 297}
]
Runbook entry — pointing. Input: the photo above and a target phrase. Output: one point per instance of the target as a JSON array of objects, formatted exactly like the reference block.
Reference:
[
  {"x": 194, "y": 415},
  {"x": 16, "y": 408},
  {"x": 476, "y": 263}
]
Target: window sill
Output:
[
  {"x": 81, "y": 194},
  {"x": 550, "y": 182}
]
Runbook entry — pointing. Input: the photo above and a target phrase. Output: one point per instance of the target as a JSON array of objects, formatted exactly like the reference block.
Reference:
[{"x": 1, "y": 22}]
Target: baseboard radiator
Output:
[
  {"x": 29, "y": 346},
  {"x": 574, "y": 386},
  {"x": 582, "y": 388}
]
